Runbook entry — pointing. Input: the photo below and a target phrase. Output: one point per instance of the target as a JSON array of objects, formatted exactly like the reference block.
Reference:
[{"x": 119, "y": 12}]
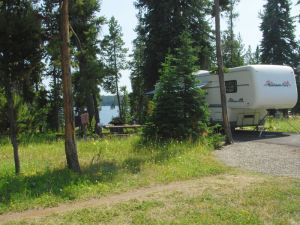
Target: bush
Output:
[
  {"x": 180, "y": 110},
  {"x": 117, "y": 121}
]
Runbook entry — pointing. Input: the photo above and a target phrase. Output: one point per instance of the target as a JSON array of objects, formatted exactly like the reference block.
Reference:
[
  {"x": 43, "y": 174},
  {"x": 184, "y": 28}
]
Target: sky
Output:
[{"x": 247, "y": 24}]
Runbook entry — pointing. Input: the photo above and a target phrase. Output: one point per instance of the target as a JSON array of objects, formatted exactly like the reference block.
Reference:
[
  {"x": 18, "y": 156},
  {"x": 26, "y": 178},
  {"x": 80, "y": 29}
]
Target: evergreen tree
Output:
[
  {"x": 257, "y": 56},
  {"x": 233, "y": 50},
  {"x": 138, "y": 99},
  {"x": 20, "y": 57},
  {"x": 164, "y": 21},
  {"x": 4, "y": 123},
  {"x": 278, "y": 45},
  {"x": 180, "y": 110},
  {"x": 125, "y": 105},
  {"x": 85, "y": 31},
  {"x": 70, "y": 143},
  {"x": 114, "y": 54},
  {"x": 251, "y": 57},
  {"x": 51, "y": 15},
  {"x": 232, "y": 45}
]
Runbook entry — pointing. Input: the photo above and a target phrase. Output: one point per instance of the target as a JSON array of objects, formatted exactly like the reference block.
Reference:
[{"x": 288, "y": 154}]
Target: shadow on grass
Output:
[
  {"x": 64, "y": 184},
  {"x": 55, "y": 182},
  {"x": 133, "y": 165}
]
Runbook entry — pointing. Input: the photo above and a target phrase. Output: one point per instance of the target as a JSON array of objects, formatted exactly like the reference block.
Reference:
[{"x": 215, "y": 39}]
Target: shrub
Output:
[{"x": 180, "y": 110}]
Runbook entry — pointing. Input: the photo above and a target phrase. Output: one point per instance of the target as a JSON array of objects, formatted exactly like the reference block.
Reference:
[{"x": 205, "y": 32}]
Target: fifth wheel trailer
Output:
[{"x": 250, "y": 91}]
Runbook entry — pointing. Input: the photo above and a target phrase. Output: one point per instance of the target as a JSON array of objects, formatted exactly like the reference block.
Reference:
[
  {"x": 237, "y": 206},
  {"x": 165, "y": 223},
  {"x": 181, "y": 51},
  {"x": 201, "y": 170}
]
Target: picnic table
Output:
[{"x": 120, "y": 129}]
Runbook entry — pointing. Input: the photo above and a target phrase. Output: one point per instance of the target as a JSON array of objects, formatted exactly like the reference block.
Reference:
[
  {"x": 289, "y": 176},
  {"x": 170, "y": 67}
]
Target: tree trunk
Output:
[
  {"x": 226, "y": 123},
  {"x": 117, "y": 87},
  {"x": 70, "y": 144},
  {"x": 13, "y": 126},
  {"x": 141, "y": 104},
  {"x": 119, "y": 101},
  {"x": 97, "y": 117},
  {"x": 56, "y": 100}
]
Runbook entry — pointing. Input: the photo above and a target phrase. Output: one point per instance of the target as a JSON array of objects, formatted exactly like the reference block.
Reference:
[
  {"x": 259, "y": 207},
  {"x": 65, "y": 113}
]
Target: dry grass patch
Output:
[{"x": 201, "y": 198}]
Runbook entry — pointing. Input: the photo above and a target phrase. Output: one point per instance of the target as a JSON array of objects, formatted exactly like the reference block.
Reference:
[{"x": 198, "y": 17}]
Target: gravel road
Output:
[{"x": 273, "y": 153}]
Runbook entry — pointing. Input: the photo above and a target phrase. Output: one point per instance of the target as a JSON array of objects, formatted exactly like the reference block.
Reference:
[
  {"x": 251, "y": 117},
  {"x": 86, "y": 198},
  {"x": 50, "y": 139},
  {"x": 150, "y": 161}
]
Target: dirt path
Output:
[{"x": 221, "y": 182}]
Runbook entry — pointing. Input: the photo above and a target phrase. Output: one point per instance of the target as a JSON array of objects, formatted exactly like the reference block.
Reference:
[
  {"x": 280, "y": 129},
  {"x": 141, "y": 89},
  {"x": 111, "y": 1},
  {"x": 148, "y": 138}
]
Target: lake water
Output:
[{"x": 107, "y": 113}]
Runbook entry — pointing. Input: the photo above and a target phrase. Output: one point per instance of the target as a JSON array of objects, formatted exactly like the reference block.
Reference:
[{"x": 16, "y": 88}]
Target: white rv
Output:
[{"x": 250, "y": 91}]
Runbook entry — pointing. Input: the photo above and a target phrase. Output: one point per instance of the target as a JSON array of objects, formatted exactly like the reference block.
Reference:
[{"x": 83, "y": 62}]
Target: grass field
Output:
[
  {"x": 108, "y": 165},
  {"x": 237, "y": 199},
  {"x": 291, "y": 125},
  {"x": 209, "y": 192}
]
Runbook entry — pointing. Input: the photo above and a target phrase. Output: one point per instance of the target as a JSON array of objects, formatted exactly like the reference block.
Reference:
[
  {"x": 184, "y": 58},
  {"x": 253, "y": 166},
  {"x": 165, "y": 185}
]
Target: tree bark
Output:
[
  {"x": 118, "y": 98},
  {"x": 226, "y": 123},
  {"x": 97, "y": 117},
  {"x": 70, "y": 143},
  {"x": 117, "y": 85},
  {"x": 13, "y": 126},
  {"x": 56, "y": 99}
]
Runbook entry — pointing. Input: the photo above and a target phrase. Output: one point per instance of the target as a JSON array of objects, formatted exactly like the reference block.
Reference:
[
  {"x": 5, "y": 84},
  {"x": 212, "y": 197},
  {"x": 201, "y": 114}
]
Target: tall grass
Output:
[
  {"x": 31, "y": 138},
  {"x": 290, "y": 125},
  {"x": 108, "y": 165}
]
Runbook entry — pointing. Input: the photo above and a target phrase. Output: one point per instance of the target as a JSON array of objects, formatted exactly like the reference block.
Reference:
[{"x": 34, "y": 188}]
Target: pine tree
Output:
[
  {"x": 51, "y": 14},
  {"x": 233, "y": 50},
  {"x": 20, "y": 57},
  {"x": 251, "y": 57},
  {"x": 70, "y": 143},
  {"x": 232, "y": 46},
  {"x": 125, "y": 105},
  {"x": 180, "y": 110},
  {"x": 86, "y": 26},
  {"x": 278, "y": 45},
  {"x": 114, "y": 54},
  {"x": 164, "y": 22},
  {"x": 257, "y": 55},
  {"x": 4, "y": 123},
  {"x": 136, "y": 65}
]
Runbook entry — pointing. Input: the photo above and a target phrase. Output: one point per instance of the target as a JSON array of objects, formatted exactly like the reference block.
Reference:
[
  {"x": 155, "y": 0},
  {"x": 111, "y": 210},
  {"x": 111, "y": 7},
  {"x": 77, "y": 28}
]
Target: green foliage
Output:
[
  {"x": 20, "y": 58},
  {"x": 125, "y": 107},
  {"x": 233, "y": 50},
  {"x": 290, "y": 125},
  {"x": 51, "y": 15},
  {"x": 114, "y": 55},
  {"x": 3, "y": 119},
  {"x": 86, "y": 26},
  {"x": 20, "y": 40},
  {"x": 180, "y": 109},
  {"x": 163, "y": 22},
  {"x": 278, "y": 45},
  {"x": 30, "y": 120},
  {"x": 221, "y": 199},
  {"x": 138, "y": 99},
  {"x": 108, "y": 166},
  {"x": 252, "y": 57},
  {"x": 91, "y": 127},
  {"x": 117, "y": 121}
]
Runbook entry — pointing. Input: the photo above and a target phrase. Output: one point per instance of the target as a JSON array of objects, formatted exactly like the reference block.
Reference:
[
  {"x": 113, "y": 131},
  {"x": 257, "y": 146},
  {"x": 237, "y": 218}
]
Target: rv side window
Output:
[{"x": 231, "y": 86}]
